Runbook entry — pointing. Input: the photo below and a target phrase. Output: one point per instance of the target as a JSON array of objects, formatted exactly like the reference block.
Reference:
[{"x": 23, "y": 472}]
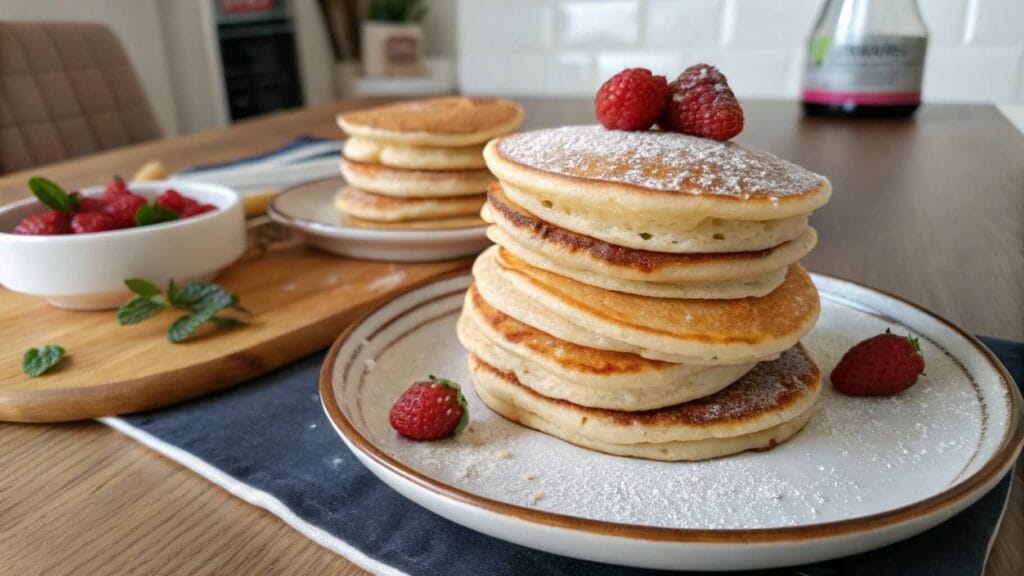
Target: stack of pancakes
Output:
[
  {"x": 419, "y": 164},
  {"x": 644, "y": 297}
]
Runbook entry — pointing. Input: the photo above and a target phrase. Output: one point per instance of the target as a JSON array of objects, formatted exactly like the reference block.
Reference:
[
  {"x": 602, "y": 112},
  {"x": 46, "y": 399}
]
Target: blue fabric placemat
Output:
[
  {"x": 313, "y": 481},
  {"x": 295, "y": 144}
]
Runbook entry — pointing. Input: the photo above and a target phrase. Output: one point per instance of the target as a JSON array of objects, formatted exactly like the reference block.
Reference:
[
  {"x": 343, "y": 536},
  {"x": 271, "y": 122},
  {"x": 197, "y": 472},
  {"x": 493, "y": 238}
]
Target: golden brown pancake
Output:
[
  {"x": 369, "y": 206},
  {"x": 429, "y": 224},
  {"x": 656, "y": 170},
  {"x": 447, "y": 121},
  {"x": 414, "y": 157},
  {"x": 403, "y": 183},
  {"x": 763, "y": 408},
  {"x": 585, "y": 376},
  {"x": 701, "y": 331},
  {"x": 573, "y": 250}
]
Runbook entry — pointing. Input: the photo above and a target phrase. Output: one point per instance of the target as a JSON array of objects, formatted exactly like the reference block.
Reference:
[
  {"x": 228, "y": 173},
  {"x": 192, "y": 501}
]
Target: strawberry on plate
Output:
[
  {"x": 430, "y": 410},
  {"x": 879, "y": 366}
]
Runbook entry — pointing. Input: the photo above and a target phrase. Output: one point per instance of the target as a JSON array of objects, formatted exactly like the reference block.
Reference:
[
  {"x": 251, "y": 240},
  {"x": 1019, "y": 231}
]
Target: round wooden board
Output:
[{"x": 300, "y": 300}]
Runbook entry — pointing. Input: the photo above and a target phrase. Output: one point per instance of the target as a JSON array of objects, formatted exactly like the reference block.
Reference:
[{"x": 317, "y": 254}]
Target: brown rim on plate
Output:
[
  {"x": 277, "y": 214},
  {"x": 1003, "y": 457}
]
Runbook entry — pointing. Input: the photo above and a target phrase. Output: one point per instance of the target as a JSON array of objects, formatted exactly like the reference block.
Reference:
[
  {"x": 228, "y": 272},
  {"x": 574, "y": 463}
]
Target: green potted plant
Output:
[{"x": 393, "y": 43}]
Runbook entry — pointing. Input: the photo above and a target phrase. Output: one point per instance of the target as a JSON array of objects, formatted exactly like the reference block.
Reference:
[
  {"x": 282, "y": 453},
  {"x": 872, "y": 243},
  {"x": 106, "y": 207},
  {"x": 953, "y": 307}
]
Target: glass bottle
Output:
[{"x": 866, "y": 58}]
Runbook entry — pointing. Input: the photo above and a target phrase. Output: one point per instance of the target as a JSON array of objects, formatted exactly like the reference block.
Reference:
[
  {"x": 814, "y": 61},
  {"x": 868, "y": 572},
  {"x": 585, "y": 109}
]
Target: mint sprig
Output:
[
  {"x": 37, "y": 361},
  {"x": 202, "y": 300},
  {"x": 148, "y": 214},
  {"x": 52, "y": 195}
]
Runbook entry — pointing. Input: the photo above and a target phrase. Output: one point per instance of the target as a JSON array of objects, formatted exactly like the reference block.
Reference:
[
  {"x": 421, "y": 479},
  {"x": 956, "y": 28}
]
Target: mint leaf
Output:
[
  {"x": 203, "y": 301},
  {"x": 149, "y": 214},
  {"x": 194, "y": 294},
  {"x": 227, "y": 322},
  {"x": 184, "y": 327},
  {"x": 172, "y": 291},
  {"x": 140, "y": 308},
  {"x": 142, "y": 287},
  {"x": 51, "y": 195},
  {"x": 37, "y": 361}
]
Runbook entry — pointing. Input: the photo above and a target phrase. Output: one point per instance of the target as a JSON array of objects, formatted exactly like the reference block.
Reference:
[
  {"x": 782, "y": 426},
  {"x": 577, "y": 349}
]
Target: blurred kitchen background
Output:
[{"x": 206, "y": 63}]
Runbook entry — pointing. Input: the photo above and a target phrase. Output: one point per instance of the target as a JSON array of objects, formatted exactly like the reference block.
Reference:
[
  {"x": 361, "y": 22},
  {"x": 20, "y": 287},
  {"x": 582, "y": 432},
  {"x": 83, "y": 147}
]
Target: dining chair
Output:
[{"x": 66, "y": 89}]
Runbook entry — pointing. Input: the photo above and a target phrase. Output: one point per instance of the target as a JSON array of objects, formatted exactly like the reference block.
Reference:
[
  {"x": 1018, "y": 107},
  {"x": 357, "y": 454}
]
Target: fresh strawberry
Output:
[
  {"x": 631, "y": 100},
  {"x": 87, "y": 203},
  {"x": 47, "y": 223},
  {"x": 196, "y": 209},
  {"x": 85, "y": 222},
  {"x": 702, "y": 104},
  {"x": 881, "y": 365},
  {"x": 430, "y": 410},
  {"x": 173, "y": 201},
  {"x": 122, "y": 209},
  {"x": 115, "y": 189}
]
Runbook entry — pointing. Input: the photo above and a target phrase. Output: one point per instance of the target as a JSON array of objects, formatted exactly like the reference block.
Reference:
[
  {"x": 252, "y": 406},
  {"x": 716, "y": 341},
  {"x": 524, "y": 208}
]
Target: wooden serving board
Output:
[{"x": 300, "y": 300}]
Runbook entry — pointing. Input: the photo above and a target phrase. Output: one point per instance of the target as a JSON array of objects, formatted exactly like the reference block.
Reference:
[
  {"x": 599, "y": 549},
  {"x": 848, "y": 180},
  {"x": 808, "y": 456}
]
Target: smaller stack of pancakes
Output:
[
  {"x": 644, "y": 297},
  {"x": 419, "y": 164}
]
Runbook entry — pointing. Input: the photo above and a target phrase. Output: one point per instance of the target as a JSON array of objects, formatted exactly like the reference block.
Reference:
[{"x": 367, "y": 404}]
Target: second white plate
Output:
[{"x": 309, "y": 210}]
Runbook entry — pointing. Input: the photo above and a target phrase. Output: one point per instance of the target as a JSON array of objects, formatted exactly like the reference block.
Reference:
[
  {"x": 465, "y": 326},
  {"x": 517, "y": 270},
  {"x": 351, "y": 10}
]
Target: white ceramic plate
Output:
[
  {"x": 865, "y": 472},
  {"x": 309, "y": 209}
]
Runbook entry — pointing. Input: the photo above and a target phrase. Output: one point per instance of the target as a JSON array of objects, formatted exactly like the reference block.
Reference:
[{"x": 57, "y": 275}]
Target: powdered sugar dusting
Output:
[
  {"x": 656, "y": 160},
  {"x": 856, "y": 457}
]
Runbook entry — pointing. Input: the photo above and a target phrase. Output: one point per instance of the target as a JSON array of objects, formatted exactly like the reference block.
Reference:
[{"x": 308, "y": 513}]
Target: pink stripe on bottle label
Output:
[{"x": 862, "y": 98}]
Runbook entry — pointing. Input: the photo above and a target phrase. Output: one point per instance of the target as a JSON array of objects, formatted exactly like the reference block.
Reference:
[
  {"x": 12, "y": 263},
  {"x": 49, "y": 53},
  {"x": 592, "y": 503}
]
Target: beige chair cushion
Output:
[{"x": 66, "y": 89}]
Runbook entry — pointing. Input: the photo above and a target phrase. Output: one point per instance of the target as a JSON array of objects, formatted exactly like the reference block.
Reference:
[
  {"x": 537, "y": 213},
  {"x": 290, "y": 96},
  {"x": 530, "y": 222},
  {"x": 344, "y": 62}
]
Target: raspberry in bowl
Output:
[{"x": 77, "y": 249}]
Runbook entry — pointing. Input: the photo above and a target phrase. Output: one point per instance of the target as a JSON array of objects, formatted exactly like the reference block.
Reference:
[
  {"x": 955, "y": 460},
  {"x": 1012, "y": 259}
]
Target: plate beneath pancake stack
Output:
[
  {"x": 309, "y": 210},
  {"x": 864, "y": 473}
]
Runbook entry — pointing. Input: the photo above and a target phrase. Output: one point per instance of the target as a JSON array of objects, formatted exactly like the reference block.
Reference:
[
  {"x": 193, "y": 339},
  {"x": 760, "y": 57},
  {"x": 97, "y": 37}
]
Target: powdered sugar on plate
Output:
[
  {"x": 656, "y": 160},
  {"x": 856, "y": 457}
]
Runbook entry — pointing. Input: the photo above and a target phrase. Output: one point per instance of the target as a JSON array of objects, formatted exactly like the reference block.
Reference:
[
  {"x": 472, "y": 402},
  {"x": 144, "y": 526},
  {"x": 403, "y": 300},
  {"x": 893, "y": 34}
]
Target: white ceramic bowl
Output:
[{"x": 87, "y": 271}]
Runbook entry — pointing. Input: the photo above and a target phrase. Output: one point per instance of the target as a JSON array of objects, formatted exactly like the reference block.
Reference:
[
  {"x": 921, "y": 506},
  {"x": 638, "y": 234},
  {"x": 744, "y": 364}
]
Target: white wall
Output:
[
  {"x": 313, "y": 47},
  {"x": 136, "y": 23},
  {"x": 569, "y": 47},
  {"x": 193, "y": 64}
]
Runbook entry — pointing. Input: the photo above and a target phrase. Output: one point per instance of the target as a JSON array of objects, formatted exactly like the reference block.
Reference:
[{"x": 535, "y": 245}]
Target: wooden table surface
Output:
[{"x": 930, "y": 209}]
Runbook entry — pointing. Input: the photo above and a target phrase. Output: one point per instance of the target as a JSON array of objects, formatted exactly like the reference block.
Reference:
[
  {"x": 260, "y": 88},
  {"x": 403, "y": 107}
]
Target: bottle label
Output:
[{"x": 876, "y": 70}]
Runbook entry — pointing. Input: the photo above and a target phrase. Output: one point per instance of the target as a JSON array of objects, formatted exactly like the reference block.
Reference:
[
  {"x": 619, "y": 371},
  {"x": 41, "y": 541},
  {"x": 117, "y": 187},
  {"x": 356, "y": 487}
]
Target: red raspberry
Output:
[
  {"x": 85, "y": 222},
  {"x": 631, "y": 100},
  {"x": 87, "y": 203},
  {"x": 45, "y": 224},
  {"x": 123, "y": 208},
  {"x": 175, "y": 202},
  {"x": 881, "y": 365},
  {"x": 115, "y": 189},
  {"x": 702, "y": 104},
  {"x": 196, "y": 209},
  {"x": 430, "y": 410}
]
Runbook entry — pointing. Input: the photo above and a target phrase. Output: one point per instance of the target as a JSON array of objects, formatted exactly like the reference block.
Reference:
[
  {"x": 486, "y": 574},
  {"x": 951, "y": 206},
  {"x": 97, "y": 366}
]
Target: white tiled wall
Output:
[{"x": 568, "y": 47}]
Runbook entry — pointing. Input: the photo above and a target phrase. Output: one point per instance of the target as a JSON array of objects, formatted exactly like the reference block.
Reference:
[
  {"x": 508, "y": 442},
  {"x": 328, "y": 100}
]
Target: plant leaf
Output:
[
  {"x": 172, "y": 291},
  {"x": 184, "y": 327},
  {"x": 142, "y": 287},
  {"x": 140, "y": 308},
  {"x": 227, "y": 321},
  {"x": 37, "y": 361},
  {"x": 51, "y": 194},
  {"x": 149, "y": 214},
  {"x": 196, "y": 296}
]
